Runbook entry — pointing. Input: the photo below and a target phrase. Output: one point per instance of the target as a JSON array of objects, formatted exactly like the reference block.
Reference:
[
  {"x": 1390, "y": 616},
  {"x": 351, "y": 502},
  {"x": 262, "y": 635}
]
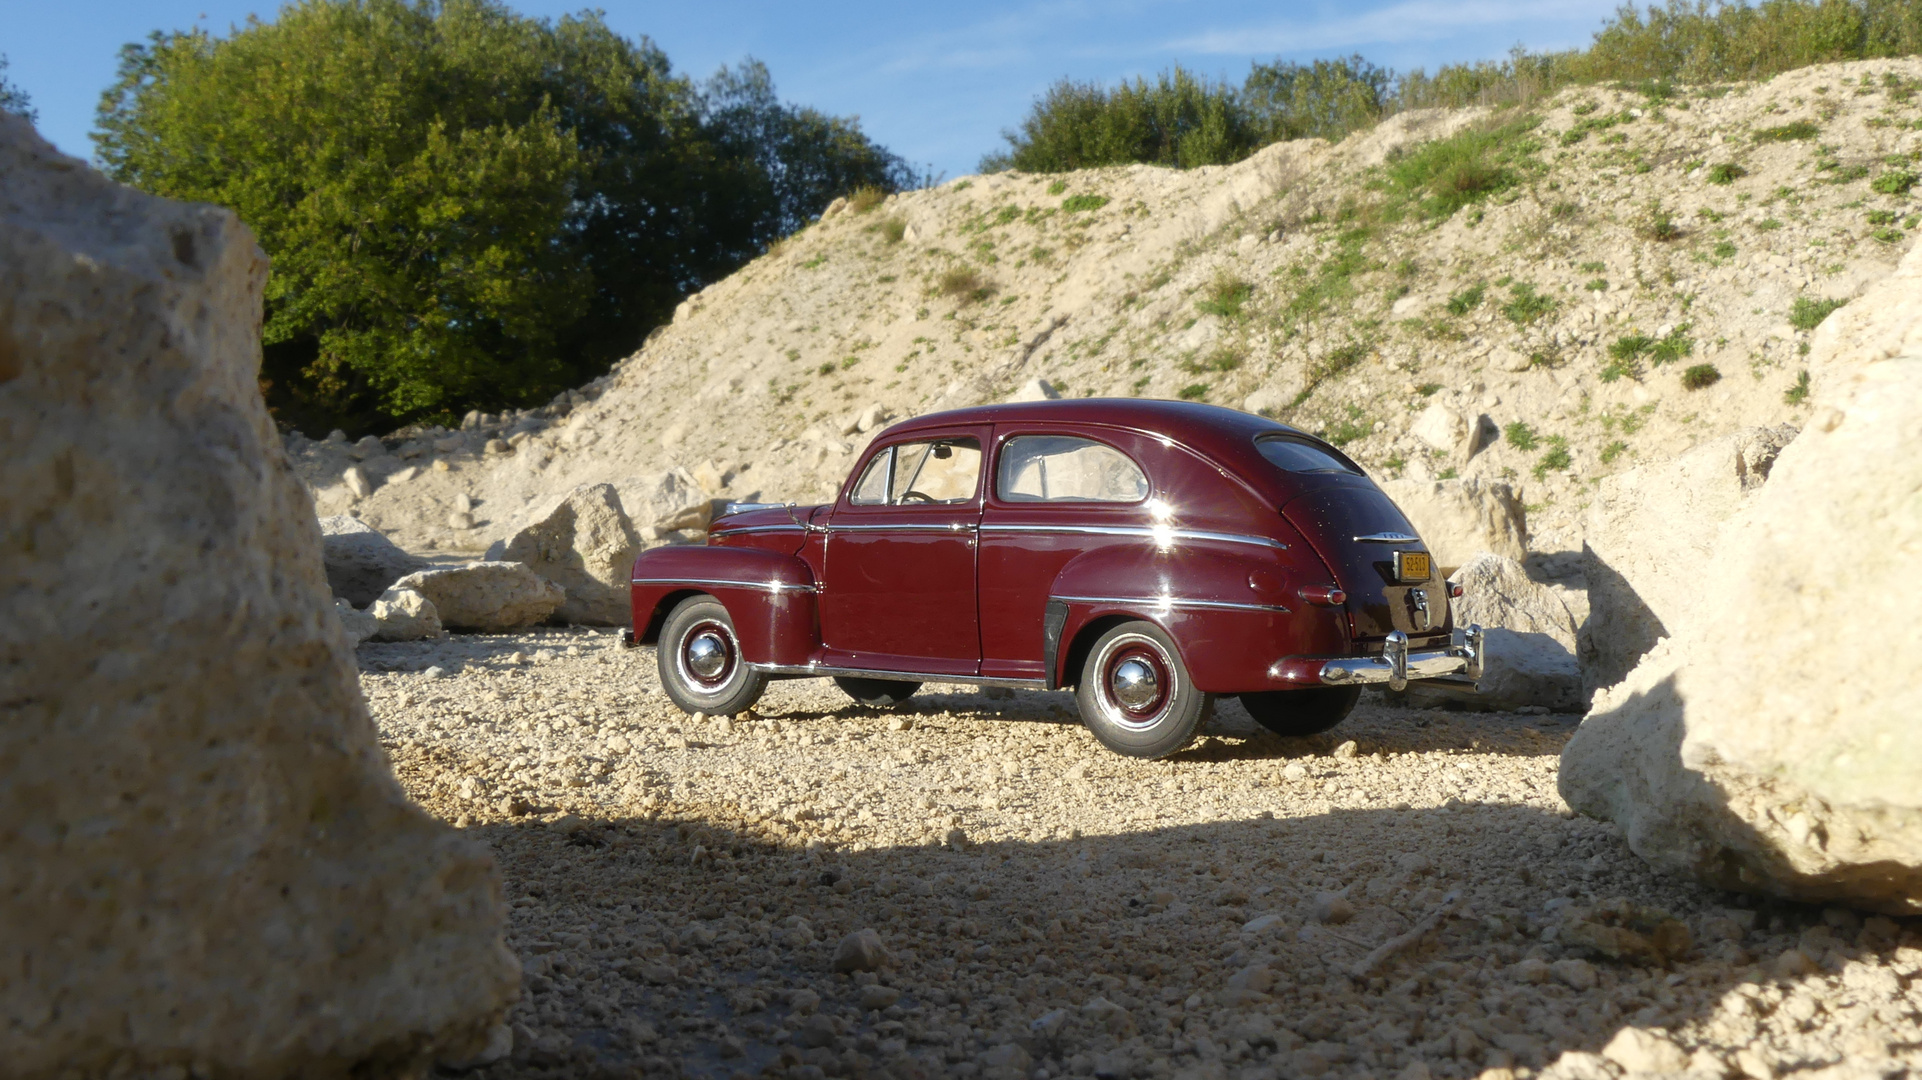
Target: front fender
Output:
[
  {"x": 770, "y": 596},
  {"x": 1233, "y": 610}
]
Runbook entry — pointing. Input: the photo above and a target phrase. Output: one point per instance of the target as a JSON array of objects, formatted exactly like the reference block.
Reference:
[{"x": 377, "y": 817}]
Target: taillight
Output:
[
  {"x": 1326, "y": 595},
  {"x": 1454, "y": 591}
]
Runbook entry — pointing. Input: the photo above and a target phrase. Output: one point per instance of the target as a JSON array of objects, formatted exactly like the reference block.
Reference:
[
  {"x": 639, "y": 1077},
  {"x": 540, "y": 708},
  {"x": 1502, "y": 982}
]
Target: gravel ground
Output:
[{"x": 681, "y": 890}]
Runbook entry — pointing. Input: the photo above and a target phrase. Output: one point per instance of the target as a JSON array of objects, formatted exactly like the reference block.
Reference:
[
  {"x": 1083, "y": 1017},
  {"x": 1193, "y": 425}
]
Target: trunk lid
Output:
[{"x": 1332, "y": 517}]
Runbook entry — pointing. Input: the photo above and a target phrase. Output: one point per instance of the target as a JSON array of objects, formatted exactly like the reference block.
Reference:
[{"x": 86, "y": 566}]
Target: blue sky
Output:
[{"x": 935, "y": 83}]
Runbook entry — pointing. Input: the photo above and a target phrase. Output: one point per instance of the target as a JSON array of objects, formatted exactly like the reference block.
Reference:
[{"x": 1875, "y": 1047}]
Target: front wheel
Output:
[
  {"x": 700, "y": 660},
  {"x": 1135, "y": 694},
  {"x": 1308, "y": 711},
  {"x": 878, "y": 693}
]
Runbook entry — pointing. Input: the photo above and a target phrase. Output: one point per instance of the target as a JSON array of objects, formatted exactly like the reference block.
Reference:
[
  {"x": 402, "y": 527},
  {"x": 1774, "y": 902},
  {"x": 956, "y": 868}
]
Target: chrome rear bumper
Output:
[{"x": 1396, "y": 665}]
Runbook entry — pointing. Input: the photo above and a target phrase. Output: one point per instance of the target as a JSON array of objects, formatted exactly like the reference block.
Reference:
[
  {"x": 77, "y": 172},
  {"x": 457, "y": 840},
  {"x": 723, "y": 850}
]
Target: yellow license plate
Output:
[{"x": 1411, "y": 566}]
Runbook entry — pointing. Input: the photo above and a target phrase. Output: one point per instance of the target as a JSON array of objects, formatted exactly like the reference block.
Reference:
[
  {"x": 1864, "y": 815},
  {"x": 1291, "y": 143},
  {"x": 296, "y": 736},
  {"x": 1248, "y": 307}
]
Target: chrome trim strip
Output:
[
  {"x": 824, "y": 671},
  {"x": 1165, "y": 602},
  {"x": 763, "y": 586},
  {"x": 951, "y": 528},
  {"x": 1144, "y": 532},
  {"x": 745, "y": 507},
  {"x": 745, "y": 529},
  {"x": 1388, "y": 538}
]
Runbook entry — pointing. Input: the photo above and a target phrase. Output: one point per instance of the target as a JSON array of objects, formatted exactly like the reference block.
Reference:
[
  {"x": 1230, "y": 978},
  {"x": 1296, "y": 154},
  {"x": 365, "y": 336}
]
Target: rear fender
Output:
[
  {"x": 1232, "y": 613},
  {"x": 770, "y": 596}
]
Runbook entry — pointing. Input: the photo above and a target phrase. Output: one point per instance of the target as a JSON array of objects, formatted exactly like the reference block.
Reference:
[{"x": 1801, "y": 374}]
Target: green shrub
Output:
[
  {"x": 1807, "y": 314},
  {"x": 893, "y": 229},
  {"x": 1658, "y": 223},
  {"x": 1700, "y": 377},
  {"x": 1520, "y": 435},
  {"x": 1525, "y": 305},
  {"x": 1797, "y": 394},
  {"x": 1724, "y": 249},
  {"x": 1725, "y": 173},
  {"x": 1613, "y": 450},
  {"x": 1886, "y": 236},
  {"x": 1555, "y": 459},
  {"x": 1800, "y": 129},
  {"x": 865, "y": 198},
  {"x": 965, "y": 285},
  {"x": 1076, "y": 204},
  {"x": 1225, "y": 297},
  {"x": 1593, "y": 267},
  {"x": 1467, "y": 300},
  {"x": 1881, "y": 217},
  {"x": 1894, "y": 182},
  {"x": 1193, "y": 392},
  {"x": 1673, "y": 347},
  {"x": 1630, "y": 346},
  {"x": 1057, "y": 187},
  {"x": 1448, "y": 174}
]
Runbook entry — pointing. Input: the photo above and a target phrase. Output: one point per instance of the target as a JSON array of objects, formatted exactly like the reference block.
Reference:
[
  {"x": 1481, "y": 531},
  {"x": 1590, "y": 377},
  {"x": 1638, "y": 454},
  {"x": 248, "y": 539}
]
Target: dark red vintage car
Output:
[{"x": 1150, "y": 554}]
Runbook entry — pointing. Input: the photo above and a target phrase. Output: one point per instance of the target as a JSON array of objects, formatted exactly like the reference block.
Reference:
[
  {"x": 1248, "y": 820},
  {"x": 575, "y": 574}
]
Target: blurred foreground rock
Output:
[
  {"x": 587, "y": 547},
  {"x": 205, "y": 856},
  {"x": 1771, "y": 744},
  {"x": 1649, "y": 535}
]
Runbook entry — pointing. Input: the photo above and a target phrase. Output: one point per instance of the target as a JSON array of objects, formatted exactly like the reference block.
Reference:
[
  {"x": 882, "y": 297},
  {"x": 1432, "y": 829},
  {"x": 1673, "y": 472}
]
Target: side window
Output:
[
  {"x": 920, "y": 473},
  {"x": 873, "y": 488},
  {"x": 1062, "y": 468}
]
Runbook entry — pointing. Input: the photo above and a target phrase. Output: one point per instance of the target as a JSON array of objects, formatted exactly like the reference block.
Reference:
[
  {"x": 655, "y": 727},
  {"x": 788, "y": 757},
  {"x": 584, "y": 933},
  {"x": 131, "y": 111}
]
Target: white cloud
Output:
[{"x": 1410, "y": 20}]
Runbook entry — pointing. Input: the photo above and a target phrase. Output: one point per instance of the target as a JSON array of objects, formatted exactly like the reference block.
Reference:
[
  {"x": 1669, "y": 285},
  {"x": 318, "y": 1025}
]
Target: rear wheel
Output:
[
  {"x": 1308, "y": 711},
  {"x": 700, "y": 660},
  {"x": 879, "y": 693},
  {"x": 1135, "y": 694}
]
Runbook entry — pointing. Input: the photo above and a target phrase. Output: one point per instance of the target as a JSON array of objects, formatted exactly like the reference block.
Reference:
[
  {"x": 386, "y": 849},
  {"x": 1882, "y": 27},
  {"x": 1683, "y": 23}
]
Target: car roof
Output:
[{"x": 1203, "y": 427}]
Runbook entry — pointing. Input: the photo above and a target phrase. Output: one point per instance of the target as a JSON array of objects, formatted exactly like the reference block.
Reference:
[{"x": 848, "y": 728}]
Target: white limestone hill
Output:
[{"x": 1124, "y": 281}]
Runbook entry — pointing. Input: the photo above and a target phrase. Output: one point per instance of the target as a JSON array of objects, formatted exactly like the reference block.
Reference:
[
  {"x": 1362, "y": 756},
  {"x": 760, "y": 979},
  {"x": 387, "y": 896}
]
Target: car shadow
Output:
[
  {"x": 698, "y": 943},
  {"x": 1378, "y": 725}
]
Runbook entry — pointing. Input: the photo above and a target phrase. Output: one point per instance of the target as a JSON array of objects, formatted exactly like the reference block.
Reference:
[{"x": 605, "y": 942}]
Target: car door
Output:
[
  {"x": 899, "y": 566},
  {"x": 1058, "y": 492}
]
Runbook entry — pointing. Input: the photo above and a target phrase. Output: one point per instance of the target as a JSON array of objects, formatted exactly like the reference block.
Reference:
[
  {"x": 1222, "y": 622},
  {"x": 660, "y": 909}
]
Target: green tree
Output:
[
  {"x": 1178, "y": 120},
  {"x": 12, "y": 98},
  {"x": 1324, "y": 99},
  {"x": 465, "y": 208}
]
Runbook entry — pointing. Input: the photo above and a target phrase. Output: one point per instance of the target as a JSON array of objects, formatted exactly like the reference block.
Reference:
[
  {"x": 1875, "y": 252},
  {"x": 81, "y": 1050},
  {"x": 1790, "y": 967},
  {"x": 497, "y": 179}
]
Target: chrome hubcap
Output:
[
  {"x": 1135, "y": 685},
  {"x": 706, "y": 654}
]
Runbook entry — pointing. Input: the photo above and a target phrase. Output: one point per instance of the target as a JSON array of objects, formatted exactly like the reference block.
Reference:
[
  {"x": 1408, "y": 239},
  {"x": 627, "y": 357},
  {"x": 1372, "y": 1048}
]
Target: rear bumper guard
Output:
[{"x": 1397, "y": 666}]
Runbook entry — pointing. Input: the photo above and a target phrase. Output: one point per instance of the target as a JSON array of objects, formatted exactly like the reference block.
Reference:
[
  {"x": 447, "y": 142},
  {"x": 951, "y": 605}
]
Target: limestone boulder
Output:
[
  {"x": 1460, "y": 519},
  {"x": 1498, "y": 591},
  {"x": 1441, "y": 427},
  {"x": 1770, "y": 744},
  {"x": 206, "y": 857},
  {"x": 1647, "y": 540},
  {"x": 1529, "y": 643},
  {"x": 358, "y": 625},
  {"x": 361, "y": 562},
  {"x": 404, "y": 615},
  {"x": 587, "y": 547},
  {"x": 668, "y": 501},
  {"x": 487, "y": 596}
]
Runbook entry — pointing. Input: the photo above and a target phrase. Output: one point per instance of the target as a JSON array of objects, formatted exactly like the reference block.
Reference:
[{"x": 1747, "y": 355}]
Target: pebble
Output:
[{"x": 861, "y": 951}]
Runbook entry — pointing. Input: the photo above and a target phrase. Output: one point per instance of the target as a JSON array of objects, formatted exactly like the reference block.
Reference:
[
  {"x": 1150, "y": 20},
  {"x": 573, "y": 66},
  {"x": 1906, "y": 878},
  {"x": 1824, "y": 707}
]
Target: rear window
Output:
[{"x": 1301, "y": 457}]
